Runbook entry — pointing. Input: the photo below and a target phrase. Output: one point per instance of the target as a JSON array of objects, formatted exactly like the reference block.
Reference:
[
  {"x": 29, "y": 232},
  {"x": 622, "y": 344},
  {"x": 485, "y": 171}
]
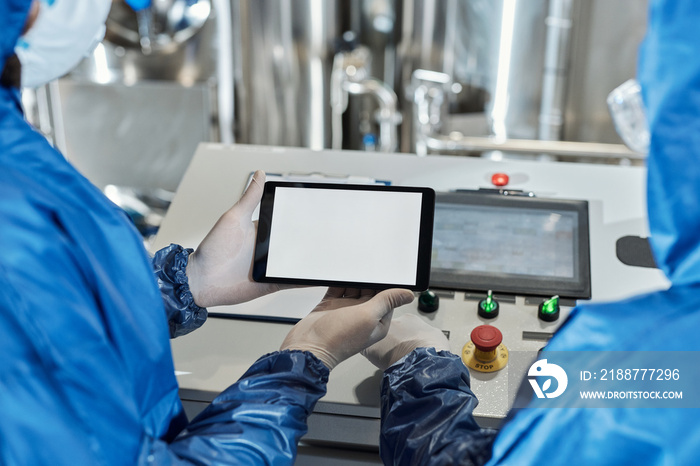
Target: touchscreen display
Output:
[
  {"x": 342, "y": 234},
  {"x": 511, "y": 244},
  {"x": 505, "y": 240}
]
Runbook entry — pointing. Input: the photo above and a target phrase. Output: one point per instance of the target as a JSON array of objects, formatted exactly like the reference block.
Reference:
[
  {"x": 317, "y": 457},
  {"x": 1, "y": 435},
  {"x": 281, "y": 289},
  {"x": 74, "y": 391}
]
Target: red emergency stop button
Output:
[
  {"x": 486, "y": 338},
  {"x": 485, "y": 352},
  {"x": 499, "y": 179}
]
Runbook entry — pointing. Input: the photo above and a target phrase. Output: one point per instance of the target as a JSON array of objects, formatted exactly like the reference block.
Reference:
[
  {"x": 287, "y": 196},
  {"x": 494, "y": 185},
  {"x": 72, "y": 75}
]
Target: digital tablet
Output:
[{"x": 345, "y": 235}]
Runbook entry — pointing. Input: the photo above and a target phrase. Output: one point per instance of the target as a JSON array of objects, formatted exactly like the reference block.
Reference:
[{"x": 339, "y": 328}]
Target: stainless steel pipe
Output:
[{"x": 459, "y": 143}]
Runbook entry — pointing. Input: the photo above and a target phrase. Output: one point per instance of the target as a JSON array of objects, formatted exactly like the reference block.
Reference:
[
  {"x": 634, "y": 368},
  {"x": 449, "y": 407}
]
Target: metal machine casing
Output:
[{"x": 216, "y": 355}]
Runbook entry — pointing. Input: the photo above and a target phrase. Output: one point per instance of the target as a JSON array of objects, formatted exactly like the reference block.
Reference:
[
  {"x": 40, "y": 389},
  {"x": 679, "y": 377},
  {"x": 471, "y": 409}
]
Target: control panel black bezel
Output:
[{"x": 578, "y": 288}]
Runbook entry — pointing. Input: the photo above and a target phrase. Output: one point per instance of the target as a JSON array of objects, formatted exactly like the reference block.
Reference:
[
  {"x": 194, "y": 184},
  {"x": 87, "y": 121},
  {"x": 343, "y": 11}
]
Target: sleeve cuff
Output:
[
  {"x": 414, "y": 369},
  {"x": 169, "y": 266},
  {"x": 294, "y": 361},
  {"x": 408, "y": 361}
]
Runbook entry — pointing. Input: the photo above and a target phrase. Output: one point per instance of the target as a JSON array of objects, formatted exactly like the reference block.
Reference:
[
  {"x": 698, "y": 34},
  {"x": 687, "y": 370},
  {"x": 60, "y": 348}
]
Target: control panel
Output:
[
  {"x": 507, "y": 267},
  {"x": 516, "y": 245},
  {"x": 485, "y": 329}
]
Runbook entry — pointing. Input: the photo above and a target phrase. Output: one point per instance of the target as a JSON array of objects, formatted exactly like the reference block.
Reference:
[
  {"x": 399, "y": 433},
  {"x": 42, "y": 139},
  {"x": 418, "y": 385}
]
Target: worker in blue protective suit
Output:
[
  {"x": 87, "y": 374},
  {"x": 426, "y": 401}
]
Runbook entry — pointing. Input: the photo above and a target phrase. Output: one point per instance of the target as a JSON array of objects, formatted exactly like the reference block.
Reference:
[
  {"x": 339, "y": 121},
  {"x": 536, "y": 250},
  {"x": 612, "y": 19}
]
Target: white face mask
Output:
[
  {"x": 629, "y": 115},
  {"x": 63, "y": 34}
]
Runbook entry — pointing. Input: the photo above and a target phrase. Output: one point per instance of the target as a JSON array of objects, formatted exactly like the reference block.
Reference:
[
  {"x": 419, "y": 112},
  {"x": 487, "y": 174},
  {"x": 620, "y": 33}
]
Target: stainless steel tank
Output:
[
  {"x": 492, "y": 51},
  {"x": 262, "y": 72},
  {"x": 128, "y": 118},
  {"x": 516, "y": 69},
  {"x": 283, "y": 53},
  {"x": 184, "y": 45},
  {"x": 520, "y": 69},
  {"x": 603, "y": 56}
]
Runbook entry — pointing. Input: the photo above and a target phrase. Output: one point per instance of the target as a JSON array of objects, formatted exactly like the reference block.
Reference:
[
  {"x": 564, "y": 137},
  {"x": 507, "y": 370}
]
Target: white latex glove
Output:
[
  {"x": 220, "y": 270},
  {"x": 407, "y": 333},
  {"x": 345, "y": 322}
]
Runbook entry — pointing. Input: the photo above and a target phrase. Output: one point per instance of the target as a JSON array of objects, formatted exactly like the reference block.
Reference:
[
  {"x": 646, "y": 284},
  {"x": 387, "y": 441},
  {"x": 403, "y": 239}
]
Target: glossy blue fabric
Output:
[
  {"x": 169, "y": 267},
  {"x": 669, "y": 72},
  {"x": 669, "y": 320},
  {"x": 666, "y": 320},
  {"x": 427, "y": 413},
  {"x": 87, "y": 374}
]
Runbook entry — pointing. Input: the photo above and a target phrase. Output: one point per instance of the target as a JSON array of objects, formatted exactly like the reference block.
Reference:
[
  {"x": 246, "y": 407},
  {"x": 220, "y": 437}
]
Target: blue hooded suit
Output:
[
  {"x": 426, "y": 416},
  {"x": 87, "y": 375}
]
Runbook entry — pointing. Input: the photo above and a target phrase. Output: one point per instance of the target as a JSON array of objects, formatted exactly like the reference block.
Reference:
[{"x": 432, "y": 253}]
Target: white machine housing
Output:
[{"x": 215, "y": 356}]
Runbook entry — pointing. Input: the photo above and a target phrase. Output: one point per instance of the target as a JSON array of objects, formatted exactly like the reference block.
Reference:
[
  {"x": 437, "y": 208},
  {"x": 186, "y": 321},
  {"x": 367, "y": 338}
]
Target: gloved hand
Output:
[
  {"x": 407, "y": 333},
  {"x": 219, "y": 271},
  {"x": 345, "y": 322}
]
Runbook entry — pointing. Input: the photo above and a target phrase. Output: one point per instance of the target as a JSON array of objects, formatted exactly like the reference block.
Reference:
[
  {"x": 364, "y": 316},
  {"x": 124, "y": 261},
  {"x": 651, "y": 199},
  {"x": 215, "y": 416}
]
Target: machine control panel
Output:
[
  {"x": 523, "y": 247},
  {"x": 495, "y": 334},
  {"x": 511, "y": 244},
  {"x": 527, "y": 261}
]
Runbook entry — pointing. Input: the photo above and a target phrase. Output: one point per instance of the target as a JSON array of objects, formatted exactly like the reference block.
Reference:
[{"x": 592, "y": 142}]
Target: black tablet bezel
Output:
[
  {"x": 425, "y": 239},
  {"x": 578, "y": 287}
]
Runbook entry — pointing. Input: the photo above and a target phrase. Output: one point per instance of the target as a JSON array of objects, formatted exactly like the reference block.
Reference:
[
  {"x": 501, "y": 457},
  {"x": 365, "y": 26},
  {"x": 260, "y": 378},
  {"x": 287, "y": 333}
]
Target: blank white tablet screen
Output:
[{"x": 345, "y": 235}]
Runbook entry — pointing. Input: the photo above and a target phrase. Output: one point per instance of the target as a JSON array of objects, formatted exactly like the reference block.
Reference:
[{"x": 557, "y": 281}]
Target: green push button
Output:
[
  {"x": 549, "y": 309},
  {"x": 488, "y": 308},
  {"x": 428, "y": 301}
]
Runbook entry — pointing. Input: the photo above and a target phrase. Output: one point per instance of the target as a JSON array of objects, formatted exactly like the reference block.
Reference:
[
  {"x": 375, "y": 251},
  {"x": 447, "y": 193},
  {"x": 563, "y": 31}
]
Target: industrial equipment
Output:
[{"x": 590, "y": 209}]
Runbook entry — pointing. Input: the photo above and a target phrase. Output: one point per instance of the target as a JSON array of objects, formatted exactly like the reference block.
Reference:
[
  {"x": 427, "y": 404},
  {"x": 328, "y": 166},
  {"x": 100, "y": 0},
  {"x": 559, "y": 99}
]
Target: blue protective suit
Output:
[
  {"x": 87, "y": 375},
  {"x": 433, "y": 414}
]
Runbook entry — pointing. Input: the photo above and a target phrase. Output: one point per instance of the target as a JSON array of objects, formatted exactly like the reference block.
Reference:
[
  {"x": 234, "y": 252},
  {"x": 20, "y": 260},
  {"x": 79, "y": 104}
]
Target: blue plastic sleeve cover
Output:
[
  {"x": 169, "y": 266},
  {"x": 427, "y": 418},
  {"x": 257, "y": 420}
]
